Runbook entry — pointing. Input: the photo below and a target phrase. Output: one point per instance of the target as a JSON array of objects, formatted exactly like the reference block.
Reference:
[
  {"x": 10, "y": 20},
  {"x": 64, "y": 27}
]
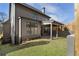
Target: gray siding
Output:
[
  {"x": 28, "y": 13},
  {"x": 6, "y": 29},
  {"x": 31, "y": 16}
]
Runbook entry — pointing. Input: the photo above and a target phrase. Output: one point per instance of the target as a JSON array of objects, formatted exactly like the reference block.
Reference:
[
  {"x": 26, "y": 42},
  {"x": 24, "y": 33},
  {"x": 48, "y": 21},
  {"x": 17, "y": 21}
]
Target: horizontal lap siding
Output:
[
  {"x": 23, "y": 12},
  {"x": 27, "y": 36},
  {"x": 6, "y": 31}
]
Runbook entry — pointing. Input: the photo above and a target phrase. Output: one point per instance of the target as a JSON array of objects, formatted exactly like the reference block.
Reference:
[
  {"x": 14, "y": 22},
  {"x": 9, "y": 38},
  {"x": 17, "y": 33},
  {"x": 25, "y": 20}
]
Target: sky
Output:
[
  {"x": 4, "y": 7},
  {"x": 62, "y": 12}
]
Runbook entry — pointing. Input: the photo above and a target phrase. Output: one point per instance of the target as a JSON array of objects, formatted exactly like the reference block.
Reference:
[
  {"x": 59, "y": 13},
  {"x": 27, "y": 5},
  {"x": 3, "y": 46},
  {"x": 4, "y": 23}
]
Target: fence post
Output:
[{"x": 70, "y": 45}]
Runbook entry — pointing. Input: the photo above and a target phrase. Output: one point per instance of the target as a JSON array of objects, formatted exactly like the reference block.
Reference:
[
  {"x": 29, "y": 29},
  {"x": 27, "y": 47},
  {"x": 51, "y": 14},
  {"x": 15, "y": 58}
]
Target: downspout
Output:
[{"x": 12, "y": 20}]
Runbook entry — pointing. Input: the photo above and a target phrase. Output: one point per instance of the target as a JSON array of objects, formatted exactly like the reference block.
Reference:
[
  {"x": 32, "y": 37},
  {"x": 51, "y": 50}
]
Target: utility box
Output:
[{"x": 70, "y": 45}]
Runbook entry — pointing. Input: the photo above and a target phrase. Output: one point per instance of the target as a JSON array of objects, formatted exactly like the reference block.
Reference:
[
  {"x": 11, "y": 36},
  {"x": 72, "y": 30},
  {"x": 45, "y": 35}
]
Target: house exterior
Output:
[{"x": 25, "y": 22}]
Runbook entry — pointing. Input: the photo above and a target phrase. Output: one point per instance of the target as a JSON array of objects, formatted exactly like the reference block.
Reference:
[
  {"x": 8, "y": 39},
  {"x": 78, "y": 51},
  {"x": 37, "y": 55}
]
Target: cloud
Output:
[
  {"x": 57, "y": 18},
  {"x": 36, "y": 5},
  {"x": 54, "y": 17},
  {"x": 53, "y": 10},
  {"x": 49, "y": 8}
]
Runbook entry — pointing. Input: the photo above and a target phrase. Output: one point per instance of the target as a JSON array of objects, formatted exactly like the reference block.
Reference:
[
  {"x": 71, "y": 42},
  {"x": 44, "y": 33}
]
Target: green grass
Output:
[{"x": 39, "y": 47}]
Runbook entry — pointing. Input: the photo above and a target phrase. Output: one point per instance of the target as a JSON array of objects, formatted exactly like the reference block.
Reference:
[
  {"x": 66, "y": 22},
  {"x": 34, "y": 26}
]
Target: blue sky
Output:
[
  {"x": 62, "y": 12},
  {"x": 4, "y": 7}
]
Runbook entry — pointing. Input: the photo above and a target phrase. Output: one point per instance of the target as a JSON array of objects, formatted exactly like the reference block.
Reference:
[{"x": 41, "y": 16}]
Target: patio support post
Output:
[
  {"x": 20, "y": 22},
  {"x": 57, "y": 32},
  {"x": 51, "y": 31},
  {"x": 12, "y": 19}
]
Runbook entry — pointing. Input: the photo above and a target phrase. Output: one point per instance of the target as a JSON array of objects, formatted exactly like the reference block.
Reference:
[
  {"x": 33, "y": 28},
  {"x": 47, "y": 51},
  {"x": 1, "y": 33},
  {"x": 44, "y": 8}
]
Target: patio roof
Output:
[
  {"x": 52, "y": 21},
  {"x": 47, "y": 22}
]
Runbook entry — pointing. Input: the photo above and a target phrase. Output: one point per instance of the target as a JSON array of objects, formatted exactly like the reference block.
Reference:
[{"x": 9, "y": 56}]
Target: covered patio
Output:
[{"x": 52, "y": 28}]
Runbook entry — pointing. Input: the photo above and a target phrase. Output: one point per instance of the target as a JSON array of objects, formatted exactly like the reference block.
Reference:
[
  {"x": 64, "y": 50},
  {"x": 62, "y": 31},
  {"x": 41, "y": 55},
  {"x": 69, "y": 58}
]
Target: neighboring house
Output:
[
  {"x": 1, "y": 28},
  {"x": 25, "y": 22}
]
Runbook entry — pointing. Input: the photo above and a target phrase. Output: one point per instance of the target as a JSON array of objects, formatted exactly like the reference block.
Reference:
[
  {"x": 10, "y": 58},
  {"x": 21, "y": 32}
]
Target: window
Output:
[
  {"x": 36, "y": 28},
  {"x": 32, "y": 28},
  {"x": 28, "y": 28}
]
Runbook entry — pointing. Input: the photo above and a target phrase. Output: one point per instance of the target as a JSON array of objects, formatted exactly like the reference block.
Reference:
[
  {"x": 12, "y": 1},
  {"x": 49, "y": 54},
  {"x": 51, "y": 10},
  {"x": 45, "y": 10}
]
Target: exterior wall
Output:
[
  {"x": 25, "y": 30},
  {"x": 26, "y": 12},
  {"x": 6, "y": 31},
  {"x": 6, "y": 26},
  {"x": 22, "y": 11}
]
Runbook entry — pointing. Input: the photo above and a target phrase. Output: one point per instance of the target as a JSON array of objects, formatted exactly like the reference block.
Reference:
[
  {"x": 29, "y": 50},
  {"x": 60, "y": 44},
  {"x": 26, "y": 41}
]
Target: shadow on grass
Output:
[{"x": 10, "y": 48}]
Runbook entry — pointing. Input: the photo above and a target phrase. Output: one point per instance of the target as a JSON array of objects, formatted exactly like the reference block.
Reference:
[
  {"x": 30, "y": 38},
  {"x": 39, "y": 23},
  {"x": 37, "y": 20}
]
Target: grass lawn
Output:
[{"x": 39, "y": 47}]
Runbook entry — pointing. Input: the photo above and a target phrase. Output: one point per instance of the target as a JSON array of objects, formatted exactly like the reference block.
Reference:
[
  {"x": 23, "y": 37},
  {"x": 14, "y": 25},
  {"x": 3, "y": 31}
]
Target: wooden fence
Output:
[{"x": 76, "y": 30}]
